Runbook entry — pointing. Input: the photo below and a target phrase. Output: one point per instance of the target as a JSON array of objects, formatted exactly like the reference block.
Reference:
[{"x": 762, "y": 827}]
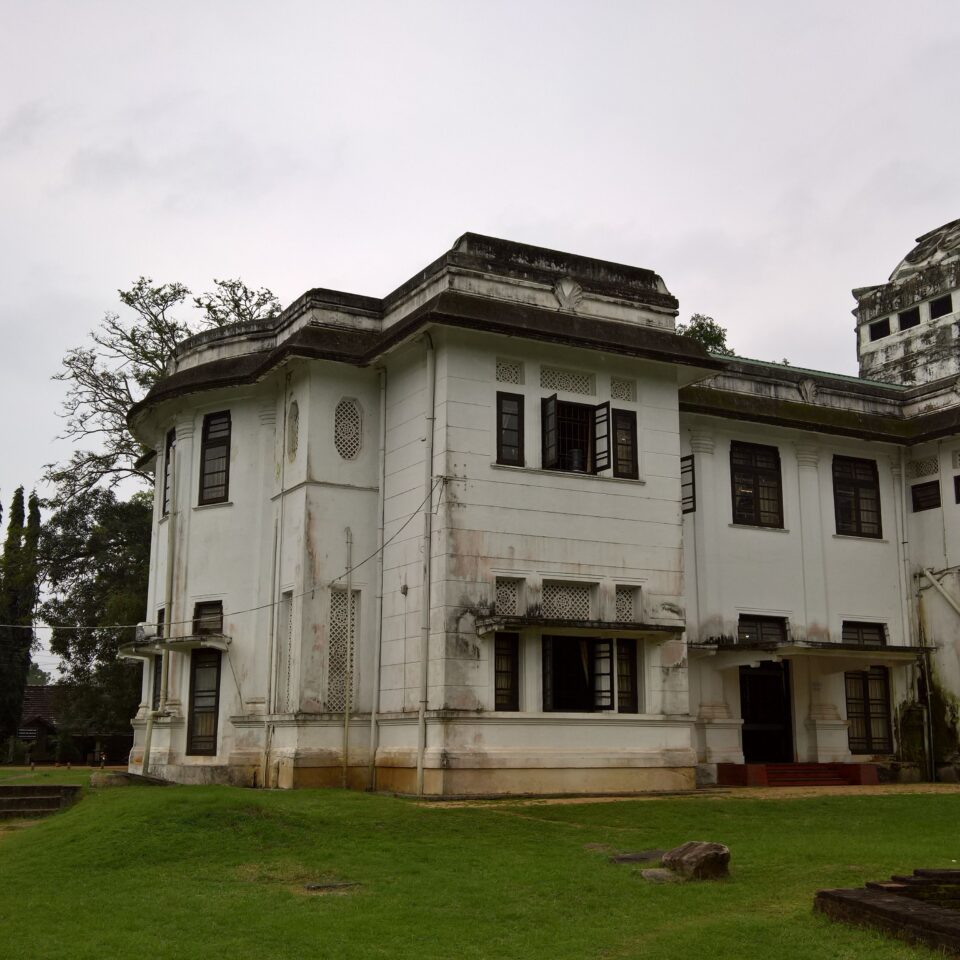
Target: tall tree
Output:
[
  {"x": 95, "y": 552},
  {"x": 18, "y": 600},
  {"x": 128, "y": 354},
  {"x": 707, "y": 331}
]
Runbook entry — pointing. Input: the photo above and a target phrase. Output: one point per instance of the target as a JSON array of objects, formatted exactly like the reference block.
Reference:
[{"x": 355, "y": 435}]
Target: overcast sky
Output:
[{"x": 763, "y": 158}]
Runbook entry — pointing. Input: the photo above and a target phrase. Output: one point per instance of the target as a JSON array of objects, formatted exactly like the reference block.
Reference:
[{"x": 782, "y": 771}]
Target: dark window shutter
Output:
[
  {"x": 688, "y": 484},
  {"x": 627, "y": 689},
  {"x": 510, "y": 429},
  {"x": 548, "y": 408},
  {"x": 507, "y": 671},
  {"x": 602, "y": 673},
  {"x": 601, "y": 437},
  {"x": 625, "y": 444}
]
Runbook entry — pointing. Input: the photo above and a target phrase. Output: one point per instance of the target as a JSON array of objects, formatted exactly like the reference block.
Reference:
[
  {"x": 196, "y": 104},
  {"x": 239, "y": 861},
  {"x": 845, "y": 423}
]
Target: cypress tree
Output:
[{"x": 18, "y": 597}]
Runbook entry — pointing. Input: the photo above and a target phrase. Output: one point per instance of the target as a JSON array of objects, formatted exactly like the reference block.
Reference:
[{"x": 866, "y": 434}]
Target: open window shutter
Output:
[
  {"x": 601, "y": 437},
  {"x": 602, "y": 674},
  {"x": 551, "y": 456}
]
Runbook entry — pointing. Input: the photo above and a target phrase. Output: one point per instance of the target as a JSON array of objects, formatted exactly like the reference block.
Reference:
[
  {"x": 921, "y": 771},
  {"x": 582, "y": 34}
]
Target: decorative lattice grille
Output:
[
  {"x": 571, "y": 381},
  {"x": 508, "y": 597},
  {"x": 509, "y": 371},
  {"x": 566, "y": 601},
  {"x": 924, "y": 468},
  {"x": 624, "y": 604},
  {"x": 623, "y": 389},
  {"x": 340, "y": 651},
  {"x": 347, "y": 429}
]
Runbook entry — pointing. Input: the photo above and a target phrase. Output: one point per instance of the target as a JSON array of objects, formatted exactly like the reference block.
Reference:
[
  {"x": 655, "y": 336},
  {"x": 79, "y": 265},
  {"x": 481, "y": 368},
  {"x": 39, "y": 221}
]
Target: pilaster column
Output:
[
  {"x": 180, "y": 609},
  {"x": 811, "y": 542},
  {"x": 705, "y": 546}
]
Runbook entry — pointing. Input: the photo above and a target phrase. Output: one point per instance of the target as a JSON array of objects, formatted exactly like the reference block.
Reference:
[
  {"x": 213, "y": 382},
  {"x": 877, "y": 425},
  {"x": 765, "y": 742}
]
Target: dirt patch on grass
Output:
[
  {"x": 10, "y": 827},
  {"x": 297, "y": 878}
]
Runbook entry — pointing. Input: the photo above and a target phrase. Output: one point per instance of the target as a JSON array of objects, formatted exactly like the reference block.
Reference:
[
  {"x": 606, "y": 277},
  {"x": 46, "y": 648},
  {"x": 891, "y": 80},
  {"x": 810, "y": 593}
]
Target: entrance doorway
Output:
[{"x": 765, "y": 706}]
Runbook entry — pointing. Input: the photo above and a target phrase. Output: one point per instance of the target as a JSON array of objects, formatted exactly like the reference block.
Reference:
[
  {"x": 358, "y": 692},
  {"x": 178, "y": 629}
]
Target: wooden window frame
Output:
[
  {"x": 599, "y": 425},
  {"x": 956, "y": 488},
  {"x": 626, "y": 467},
  {"x": 502, "y": 429},
  {"x": 198, "y": 659},
  {"x": 155, "y": 678},
  {"x": 165, "y": 496},
  {"x": 208, "y": 618},
  {"x": 208, "y": 445},
  {"x": 874, "y": 708},
  {"x": 688, "y": 479},
  {"x": 863, "y": 633},
  {"x": 507, "y": 668},
  {"x": 774, "y": 630},
  {"x": 857, "y": 488},
  {"x": 919, "y": 500},
  {"x": 758, "y": 475},
  {"x": 603, "y": 663}
]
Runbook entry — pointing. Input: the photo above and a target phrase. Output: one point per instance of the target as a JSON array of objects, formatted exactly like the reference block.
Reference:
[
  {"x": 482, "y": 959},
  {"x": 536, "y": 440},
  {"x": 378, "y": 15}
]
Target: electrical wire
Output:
[{"x": 76, "y": 628}]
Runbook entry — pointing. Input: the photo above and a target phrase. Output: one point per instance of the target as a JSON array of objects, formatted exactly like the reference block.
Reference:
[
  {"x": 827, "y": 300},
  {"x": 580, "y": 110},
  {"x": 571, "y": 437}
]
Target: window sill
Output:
[
  {"x": 566, "y": 473},
  {"x": 853, "y": 536},
  {"x": 757, "y": 526},
  {"x": 213, "y": 506}
]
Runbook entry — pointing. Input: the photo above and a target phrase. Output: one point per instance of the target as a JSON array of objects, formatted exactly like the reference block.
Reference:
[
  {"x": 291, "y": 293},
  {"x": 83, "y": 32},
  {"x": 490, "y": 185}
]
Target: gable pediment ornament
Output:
[{"x": 569, "y": 294}]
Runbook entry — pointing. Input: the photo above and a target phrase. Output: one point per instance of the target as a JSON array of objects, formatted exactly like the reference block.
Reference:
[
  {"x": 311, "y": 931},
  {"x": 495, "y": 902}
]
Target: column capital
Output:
[
  {"x": 268, "y": 414},
  {"x": 808, "y": 454},
  {"x": 702, "y": 442},
  {"x": 185, "y": 426}
]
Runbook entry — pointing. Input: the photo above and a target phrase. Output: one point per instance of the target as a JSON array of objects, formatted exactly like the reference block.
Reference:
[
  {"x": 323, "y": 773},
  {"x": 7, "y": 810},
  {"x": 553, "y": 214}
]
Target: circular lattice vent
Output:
[{"x": 347, "y": 429}]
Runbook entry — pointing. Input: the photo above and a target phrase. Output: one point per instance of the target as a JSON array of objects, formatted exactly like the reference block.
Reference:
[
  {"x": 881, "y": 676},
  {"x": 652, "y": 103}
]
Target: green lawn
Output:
[
  {"x": 77, "y": 774},
  {"x": 218, "y": 872}
]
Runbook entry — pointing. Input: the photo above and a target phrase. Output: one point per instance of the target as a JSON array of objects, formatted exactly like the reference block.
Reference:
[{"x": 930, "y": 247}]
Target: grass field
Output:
[{"x": 219, "y": 872}]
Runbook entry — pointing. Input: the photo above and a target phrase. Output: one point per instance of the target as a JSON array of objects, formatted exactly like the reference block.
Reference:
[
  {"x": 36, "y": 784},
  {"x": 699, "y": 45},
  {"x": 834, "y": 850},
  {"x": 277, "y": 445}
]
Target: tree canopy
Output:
[
  {"x": 128, "y": 353},
  {"x": 707, "y": 331}
]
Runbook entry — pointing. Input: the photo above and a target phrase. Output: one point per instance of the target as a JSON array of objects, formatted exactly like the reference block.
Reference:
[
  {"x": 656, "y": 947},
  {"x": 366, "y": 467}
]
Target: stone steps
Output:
[{"x": 34, "y": 800}]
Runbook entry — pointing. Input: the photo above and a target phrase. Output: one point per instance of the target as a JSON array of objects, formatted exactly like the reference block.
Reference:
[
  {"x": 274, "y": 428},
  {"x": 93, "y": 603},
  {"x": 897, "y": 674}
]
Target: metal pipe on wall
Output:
[
  {"x": 378, "y": 610},
  {"x": 430, "y": 418}
]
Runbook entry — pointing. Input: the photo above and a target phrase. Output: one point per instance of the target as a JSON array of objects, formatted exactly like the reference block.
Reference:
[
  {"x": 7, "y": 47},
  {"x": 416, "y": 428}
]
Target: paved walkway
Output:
[{"x": 716, "y": 793}]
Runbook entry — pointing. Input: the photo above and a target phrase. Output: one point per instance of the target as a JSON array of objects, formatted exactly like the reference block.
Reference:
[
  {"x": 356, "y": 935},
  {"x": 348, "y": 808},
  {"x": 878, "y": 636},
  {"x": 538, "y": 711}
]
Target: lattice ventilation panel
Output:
[
  {"x": 569, "y": 381},
  {"x": 624, "y": 609},
  {"x": 566, "y": 601},
  {"x": 507, "y": 602},
  {"x": 347, "y": 429},
  {"x": 509, "y": 371},
  {"x": 621, "y": 389},
  {"x": 927, "y": 467},
  {"x": 340, "y": 655}
]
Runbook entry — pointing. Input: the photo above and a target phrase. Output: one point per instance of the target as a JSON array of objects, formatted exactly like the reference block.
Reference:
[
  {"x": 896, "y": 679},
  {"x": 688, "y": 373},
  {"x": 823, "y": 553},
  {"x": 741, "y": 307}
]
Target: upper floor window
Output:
[
  {"x": 909, "y": 318},
  {"x": 576, "y": 438},
  {"x": 168, "y": 448},
  {"x": 880, "y": 329},
  {"x": 758, "y": 629},
  {"x": 755, "y": 480},
  {"x": 925, "y": 496},
  {"x": 510, "y": 429},
  {"x": 208, "y": 617},
  {"x": 856, "y": 497},
  {"x": 215, "y": 458},
  {"x": 863, "y": 634},
  {"x": 941, "y": 307}
]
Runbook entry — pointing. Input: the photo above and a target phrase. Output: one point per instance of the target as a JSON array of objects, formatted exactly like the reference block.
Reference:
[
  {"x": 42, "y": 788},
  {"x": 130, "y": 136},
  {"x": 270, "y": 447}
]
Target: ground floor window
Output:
[
  {"x": 587, "y": 675},
  {"x": 507, "y": 670},
  {"x": 204, "y": 702},
  {"x": 868, "y": 711}
]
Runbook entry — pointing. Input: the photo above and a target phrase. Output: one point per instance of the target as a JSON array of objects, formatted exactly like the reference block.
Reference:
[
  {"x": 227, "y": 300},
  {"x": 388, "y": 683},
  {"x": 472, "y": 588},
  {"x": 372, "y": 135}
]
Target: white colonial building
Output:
[{"x": 504, "y": 531}]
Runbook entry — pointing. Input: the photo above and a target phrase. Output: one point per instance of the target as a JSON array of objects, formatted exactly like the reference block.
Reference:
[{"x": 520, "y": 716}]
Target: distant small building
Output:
[{"x": 504, "y": 531}]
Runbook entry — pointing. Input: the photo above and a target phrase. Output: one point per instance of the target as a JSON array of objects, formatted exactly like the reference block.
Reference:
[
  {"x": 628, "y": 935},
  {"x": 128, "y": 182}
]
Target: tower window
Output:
[
  {"x": 941, "y": 307},
  {"x": 909, "y": 318},
  {"x": 880, "y": 329}
]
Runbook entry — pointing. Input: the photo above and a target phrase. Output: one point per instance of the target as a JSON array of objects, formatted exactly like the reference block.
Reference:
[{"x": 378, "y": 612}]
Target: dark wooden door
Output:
[{"x": 766, "y": 710}]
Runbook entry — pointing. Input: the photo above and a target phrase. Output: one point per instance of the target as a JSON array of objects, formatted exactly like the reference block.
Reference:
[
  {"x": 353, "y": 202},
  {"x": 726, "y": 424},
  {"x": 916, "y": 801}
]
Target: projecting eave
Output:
[
  {"x": 449, "y": 309},
  {"x": 151, "y": 647},
  {"x": 588, "y": 628}
]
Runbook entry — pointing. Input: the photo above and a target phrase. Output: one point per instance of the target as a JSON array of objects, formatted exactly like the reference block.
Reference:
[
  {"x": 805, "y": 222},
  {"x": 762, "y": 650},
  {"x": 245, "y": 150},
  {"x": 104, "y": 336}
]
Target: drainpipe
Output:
[
  {"x": 167, "y": 613},
  {"x": 430, "y": 417},
  {"x": 348, "y": 679},
  {"x": 378, "y": 610},
  {"x": 925, "y": 660},
  {"x": 271, "y": 692}
]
